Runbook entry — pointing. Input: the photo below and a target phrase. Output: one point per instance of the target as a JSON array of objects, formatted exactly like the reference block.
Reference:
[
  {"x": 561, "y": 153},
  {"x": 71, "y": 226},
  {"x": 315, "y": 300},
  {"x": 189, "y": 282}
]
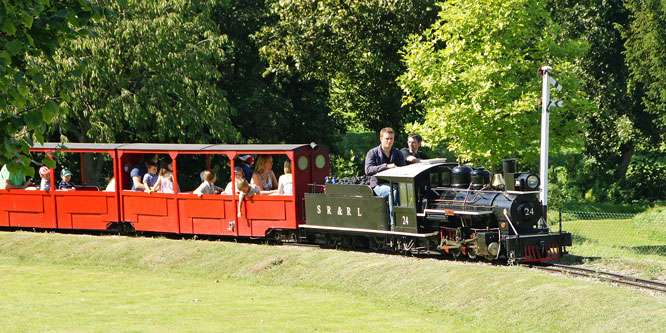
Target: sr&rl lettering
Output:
[{"x": 339, "y": 210}]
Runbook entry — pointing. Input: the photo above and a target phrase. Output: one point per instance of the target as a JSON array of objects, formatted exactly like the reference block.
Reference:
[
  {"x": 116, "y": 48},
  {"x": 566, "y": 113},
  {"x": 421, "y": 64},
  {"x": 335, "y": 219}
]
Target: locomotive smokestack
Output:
[{"x": 509, "y": 169}]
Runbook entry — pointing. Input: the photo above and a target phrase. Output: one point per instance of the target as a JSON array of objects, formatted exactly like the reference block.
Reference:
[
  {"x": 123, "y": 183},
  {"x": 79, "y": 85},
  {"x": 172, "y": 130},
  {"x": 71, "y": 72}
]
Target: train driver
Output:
[{"x": 381, "y": 158}]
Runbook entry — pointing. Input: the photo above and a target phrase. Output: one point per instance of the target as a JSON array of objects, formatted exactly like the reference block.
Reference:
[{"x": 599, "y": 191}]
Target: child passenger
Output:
[
  {"x": 164, "y": 183},
  {"x": 238, "y": 174},
  {"x": 246, "y": 190},
  {"x": 45, "y": 174},
  {"x": 150, "y": 178},
  {"x": 208, "y": 184},
  {"x": 285, "y": 184},
  {"x": 66, "y": 183}
]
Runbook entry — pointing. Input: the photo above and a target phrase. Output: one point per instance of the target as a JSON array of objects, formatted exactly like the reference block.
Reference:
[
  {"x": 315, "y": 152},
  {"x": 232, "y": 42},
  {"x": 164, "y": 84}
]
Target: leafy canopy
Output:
[
  {"x": 475, "y": 72},
  {"x": 351, "y": 45},
  {"x": 30, "y": 34},
  {"x": 645, "y": 45},
  {"x": 152, "y": 76}
]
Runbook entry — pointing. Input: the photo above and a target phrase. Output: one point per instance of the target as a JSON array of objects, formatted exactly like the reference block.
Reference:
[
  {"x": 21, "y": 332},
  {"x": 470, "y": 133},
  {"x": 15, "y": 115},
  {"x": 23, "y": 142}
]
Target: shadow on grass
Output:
[{"x": 570, "y": 259}]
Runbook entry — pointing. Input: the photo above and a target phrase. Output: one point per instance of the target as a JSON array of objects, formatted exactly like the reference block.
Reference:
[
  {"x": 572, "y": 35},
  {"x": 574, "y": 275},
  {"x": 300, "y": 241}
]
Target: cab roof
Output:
[{"x": 409, "y": 172}]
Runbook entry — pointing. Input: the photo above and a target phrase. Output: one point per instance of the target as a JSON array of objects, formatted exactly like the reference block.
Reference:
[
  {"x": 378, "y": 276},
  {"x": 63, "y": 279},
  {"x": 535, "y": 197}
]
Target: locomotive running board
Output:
[
  {"x": 369, "y": 231},
  {"x": 454, "y": 212}
]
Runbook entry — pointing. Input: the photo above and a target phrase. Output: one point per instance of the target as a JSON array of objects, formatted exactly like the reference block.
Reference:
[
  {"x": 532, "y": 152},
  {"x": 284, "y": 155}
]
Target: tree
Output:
[
  {"x": 30, "y": 34},
  {"x": 151, "y": 76},
  {"x": 475, "y": 72},
  {"x": 268, "y": 107},
  {"x": 353, "y": 47},
  {"x": 620, "y": 123},
  {"x": 645, "y": 44},
  {"x": 184, "y": 71}
]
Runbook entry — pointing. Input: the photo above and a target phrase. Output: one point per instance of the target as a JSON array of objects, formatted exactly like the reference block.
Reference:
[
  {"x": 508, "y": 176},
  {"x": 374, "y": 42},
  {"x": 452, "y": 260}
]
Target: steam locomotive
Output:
[{"x": 439, "y": 208}]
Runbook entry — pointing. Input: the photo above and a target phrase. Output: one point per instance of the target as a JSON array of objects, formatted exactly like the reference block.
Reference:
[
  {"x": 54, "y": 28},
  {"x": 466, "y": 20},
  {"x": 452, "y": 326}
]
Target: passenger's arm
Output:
[
  {"x": 157, "y": 185},
  {"x": 137, "y": 183},
  {"x": 199, "y": 189},
  {"x": 372, "y": 165},
  {"x": 256, "y": 179}
]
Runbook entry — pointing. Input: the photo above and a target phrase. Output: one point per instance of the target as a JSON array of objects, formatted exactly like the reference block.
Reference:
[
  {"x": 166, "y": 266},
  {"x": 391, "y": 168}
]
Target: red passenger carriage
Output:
[{"x": 88, "y": 208}]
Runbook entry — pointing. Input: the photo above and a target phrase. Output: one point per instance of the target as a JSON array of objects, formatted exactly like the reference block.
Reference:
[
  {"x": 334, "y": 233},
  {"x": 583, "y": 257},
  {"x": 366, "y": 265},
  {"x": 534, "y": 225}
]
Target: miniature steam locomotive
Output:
[{"x": 439, "y": 208}]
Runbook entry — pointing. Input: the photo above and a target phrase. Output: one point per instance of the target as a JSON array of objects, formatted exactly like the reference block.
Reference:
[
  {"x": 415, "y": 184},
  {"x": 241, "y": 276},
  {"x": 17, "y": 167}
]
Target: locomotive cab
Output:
[{"x": 414, "y": 194}]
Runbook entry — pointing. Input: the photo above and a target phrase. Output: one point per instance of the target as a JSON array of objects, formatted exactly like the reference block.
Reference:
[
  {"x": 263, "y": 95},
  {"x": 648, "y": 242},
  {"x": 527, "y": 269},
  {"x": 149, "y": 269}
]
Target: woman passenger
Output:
[
  {"x": 285, "y": 184},
  {"x": 263, "y": 176}
]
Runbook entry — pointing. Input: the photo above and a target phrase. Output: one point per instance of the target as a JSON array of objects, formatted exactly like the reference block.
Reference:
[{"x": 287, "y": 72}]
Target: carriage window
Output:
[
  {"x": 302, "y": 162},
  {"x": 320, "y": 161}
]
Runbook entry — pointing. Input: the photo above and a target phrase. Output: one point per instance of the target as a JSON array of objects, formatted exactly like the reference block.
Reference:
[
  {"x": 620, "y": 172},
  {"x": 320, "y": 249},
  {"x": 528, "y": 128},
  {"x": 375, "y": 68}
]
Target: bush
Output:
[{"x": 575, "y": 178}]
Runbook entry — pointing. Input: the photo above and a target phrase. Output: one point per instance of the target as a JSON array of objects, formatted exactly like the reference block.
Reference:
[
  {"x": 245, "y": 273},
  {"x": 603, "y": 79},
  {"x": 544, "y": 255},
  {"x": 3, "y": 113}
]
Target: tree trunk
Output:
[{"x": 627, "y": 151}]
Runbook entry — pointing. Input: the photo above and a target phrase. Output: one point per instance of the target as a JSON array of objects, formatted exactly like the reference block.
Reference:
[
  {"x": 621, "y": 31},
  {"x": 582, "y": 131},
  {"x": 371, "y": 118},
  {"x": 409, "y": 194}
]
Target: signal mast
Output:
[{"x": 546, "y": 104}]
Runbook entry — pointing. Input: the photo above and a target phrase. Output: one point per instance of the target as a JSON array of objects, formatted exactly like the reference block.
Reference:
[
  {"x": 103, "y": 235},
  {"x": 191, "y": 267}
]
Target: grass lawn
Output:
[
  {"x": 108, "y": 283},
  {"x": 623, "y": 245},
  {"x": 60, "y": 298}
]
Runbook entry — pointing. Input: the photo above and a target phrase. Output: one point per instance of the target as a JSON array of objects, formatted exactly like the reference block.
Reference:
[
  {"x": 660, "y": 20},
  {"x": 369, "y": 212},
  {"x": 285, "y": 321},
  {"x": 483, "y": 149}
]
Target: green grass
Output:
[
  {"x": 634, "y": 245},
  {"x": 78, "y": 299},
  {"x": 107, "y": 283}
]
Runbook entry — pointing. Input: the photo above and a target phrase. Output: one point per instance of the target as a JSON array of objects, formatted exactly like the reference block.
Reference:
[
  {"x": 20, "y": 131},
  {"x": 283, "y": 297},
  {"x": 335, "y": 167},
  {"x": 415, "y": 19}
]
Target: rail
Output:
[{"x": 626, "y": 280}]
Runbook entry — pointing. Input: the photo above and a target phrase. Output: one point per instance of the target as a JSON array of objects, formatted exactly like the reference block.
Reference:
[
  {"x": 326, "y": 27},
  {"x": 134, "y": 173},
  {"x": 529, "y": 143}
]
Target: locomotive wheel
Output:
[
  {"x": 471, "y": 253},
  {"x": 455, "y": 253}
]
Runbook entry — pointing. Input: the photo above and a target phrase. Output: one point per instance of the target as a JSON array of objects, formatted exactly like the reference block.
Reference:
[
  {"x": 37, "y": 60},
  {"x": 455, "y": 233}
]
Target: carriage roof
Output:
[{"x": 167, "y": 147}]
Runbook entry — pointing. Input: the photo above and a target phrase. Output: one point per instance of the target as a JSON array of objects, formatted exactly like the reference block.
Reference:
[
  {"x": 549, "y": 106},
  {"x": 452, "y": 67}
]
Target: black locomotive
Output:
[{"x": 439, "y": 208}]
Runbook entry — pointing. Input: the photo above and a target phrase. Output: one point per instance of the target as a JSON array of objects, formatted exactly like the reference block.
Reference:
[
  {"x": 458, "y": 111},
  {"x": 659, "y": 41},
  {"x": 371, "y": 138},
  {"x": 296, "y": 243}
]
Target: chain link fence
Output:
[{"x": 613, "y": 235}]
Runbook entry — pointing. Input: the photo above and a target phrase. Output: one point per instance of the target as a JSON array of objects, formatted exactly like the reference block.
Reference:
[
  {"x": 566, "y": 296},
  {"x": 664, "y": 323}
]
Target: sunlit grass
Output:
[{"x": 101, "y": 283}]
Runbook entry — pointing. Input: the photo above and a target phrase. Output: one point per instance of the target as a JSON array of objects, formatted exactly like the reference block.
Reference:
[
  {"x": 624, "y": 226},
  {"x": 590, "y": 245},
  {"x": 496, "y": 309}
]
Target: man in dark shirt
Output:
[
  {"x": 381, "y": 158},
  {"x": 412, "y": 153}
]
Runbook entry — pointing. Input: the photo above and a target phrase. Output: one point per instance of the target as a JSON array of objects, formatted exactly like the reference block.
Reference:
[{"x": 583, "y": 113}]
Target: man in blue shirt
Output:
[{"x": 381, "y": 158}]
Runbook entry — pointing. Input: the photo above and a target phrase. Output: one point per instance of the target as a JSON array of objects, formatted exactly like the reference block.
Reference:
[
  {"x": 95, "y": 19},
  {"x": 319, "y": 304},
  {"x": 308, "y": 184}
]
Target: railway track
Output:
[{"x": 655, "y": 286}]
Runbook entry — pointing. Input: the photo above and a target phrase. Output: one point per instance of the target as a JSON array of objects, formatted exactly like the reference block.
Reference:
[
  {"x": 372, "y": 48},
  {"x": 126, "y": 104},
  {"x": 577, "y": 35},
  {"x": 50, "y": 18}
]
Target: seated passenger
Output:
[
  {"x": 139, "y": 170},
  {"x": 66, "y": 183},
  {"x": 164, "y": 182},
  {"x": 10, "y": 180},
  {"x": 263, "y": 176},
  {"x": 111, "y": 186},
  {"x": 412, "y": 153},
  {"x": 285, "y": 183},
  {"x": 150, "y": 178},
  {"x": 380, "y": 158},
  {"x": 45, "y": 174},
  {"x": 208, "y": 185},
  {"x": 246, "y": 190},
  {"x": 238, "y": 174},
  {"x": 246, "y": 162}
]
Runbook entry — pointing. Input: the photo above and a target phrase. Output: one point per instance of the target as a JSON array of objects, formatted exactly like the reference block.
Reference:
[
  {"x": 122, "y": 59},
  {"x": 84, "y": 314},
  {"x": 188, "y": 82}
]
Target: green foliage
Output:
[
  {"x": 30, "y": 34},
  {"x": 151, "y": 76},
  {"x": 475, "y": 71},
  {"x": 347, "y": 165},
  {"x": 645, "y": 44},
  {"x": 621, "y": 123},
  {"x": 267, "y": 108},
  {"x": 353, "y": 46},
  {"x": 575, "y": 178}
]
